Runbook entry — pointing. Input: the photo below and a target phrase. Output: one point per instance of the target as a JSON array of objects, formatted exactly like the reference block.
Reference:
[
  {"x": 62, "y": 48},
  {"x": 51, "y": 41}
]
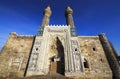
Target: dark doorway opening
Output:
[
  {"x": 86, "y": 65},
  {"x": 60, "y": 63}
]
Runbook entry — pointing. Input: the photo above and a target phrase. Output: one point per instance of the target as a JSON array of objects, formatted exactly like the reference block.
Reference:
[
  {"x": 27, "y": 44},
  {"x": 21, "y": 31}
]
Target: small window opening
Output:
[
  {"x": 94, "y": 49},
  {"x": 36, "y": 49},
  {"x": 75, "y": 49},
  {"x": 86, "y": 63},
  {"x": 101, "y": 60}
]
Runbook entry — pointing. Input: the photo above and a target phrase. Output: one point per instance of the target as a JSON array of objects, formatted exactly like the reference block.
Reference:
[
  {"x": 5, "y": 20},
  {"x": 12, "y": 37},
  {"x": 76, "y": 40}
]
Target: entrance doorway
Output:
[{"x": 57, "y": 62}]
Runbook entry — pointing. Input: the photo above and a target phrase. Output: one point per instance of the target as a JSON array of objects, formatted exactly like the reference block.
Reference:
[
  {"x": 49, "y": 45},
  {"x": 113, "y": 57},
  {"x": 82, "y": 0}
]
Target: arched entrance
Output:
[{"x": 57, "y": 62}]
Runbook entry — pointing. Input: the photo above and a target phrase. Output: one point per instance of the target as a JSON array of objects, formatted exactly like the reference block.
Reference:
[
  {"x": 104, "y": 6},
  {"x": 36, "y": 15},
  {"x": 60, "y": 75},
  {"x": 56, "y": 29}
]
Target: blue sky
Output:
[{"x": 91, "y": 17}]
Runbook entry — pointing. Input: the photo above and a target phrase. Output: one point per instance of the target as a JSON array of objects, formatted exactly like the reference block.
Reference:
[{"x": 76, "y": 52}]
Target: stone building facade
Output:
[{"x": 57, "y": 49}]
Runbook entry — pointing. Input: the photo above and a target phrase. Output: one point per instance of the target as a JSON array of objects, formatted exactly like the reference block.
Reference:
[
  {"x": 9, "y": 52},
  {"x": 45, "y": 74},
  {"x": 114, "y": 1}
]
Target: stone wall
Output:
[
  {"x": 14, "y": 55},
  {"x": 94, "y": 59}
]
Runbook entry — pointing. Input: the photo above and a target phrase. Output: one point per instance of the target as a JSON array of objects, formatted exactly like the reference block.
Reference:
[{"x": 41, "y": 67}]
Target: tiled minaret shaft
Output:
[
  {"x": 69, "y": 17},
  {"x": 36, "y": 60},
  {"x": 46, "y": 18},
  {"x": 45, "y": 21}
]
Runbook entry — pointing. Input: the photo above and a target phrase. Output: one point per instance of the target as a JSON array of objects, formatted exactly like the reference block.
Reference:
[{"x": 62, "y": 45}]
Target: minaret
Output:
[
  {"x": 36, "y": 61},
  {"x": 47, "y": 13},
  {"x": 69, "y": 17},
  {"x": 69, "y": 21},
  {"x": 46, "y": 18}
]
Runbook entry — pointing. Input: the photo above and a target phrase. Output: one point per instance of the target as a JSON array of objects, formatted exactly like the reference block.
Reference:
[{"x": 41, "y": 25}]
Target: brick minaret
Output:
[
  {"x": 46, "y": 18},
  {"x": 69, "y": 17},
  {"x": 45, "y": 21}
]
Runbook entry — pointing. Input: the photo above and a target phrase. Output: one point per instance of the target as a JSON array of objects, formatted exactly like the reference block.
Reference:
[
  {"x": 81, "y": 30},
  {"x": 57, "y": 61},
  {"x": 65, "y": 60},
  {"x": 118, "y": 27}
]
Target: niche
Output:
[
  {"x": 86, "y": 65},
  {"x": 16, "y": 63}
]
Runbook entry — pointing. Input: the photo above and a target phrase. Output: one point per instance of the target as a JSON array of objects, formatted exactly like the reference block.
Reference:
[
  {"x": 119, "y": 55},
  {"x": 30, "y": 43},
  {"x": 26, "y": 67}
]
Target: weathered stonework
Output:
[
  {"x": 14, "y": 55},
  {"x": 92, "y": 52},
  {"x": 111, "y": 56},
  {"x": 56, "y": 51},
  {"x": 87, "y": 55}
]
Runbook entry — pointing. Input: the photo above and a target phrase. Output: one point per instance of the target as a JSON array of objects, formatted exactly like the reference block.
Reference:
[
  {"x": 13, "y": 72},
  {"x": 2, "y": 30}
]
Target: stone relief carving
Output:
[
  {"x": 16, "y": 63},
  {"x": 49, "y": 45},
  {"x": 33, "y": 64},
  {"x": 76, "y": 56}
]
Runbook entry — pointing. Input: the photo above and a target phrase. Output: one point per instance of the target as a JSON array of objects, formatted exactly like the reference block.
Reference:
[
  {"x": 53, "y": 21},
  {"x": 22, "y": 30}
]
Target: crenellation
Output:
[{"x": 57, "y": 25}]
